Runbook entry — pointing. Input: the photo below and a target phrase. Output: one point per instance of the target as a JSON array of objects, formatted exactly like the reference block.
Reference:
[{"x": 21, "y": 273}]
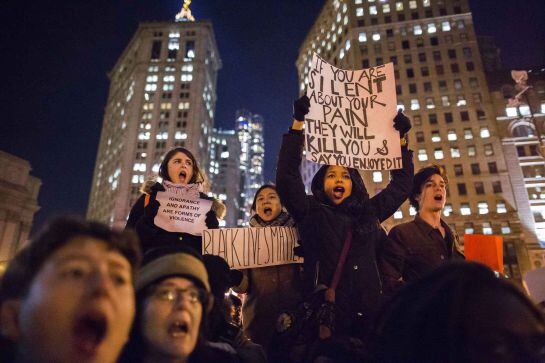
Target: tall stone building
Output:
[
  {"x": 442, "y": 87},
  {"x": 18, "y": 204},
  {"x": 519, "y": 124},
  {"x": 162, "y": 95},
  {"x": 225, "y": 173},
  {"x": 249, "y": 128}
]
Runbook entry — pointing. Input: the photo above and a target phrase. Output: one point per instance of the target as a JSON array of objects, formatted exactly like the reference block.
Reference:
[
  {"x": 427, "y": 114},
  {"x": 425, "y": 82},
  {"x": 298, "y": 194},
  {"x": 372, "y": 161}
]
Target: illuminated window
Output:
[
  {"x": 483, "y": 207},
  {"x": 500, "y": 208},
  {"x": 376, "y": 37},
  {"x": 471, "y": 151},
  {"x": 341, "y": 54},
  {"x": 445, "y": 26},
  {"x": 412, "y": 4},
  {"x": 485, "y": 132},
  {"x": 373, "y": 10},
  {"x": 460, "y": 100},
  {"x": 445, "y": 101},
  {"x": 399, "y": 5},
  {"x": 451, "y": 135},
  {"x": 430, "y": 103},
  {"x": 362, "y": 37},
  {"x": 186, "y": 77},
  {"x": 487, "y": 228},
  {"x": 438, "y": 154},
  {"x": 153, "y": 78},
  {"x": 183, "y": 106},
  {"x": 465, "y": 210},
  {"x": 426, "y": 3},
  {"x": 505, "y": 228},
  {"x": 166, "y": 106},
  {"x": 468, "y": 228},
  {"x": 359, "y": 11},
  {"x": 468, "y": 134},
  {"x": 524, "y": 110},
  {"x": 454, "y": 152},
  {"x": 435, "y": 137},
  {"x": 447, "y": 210},
  {"x": 377, "y": 176},
  {"x": 511, "y": 111},
  {"x": 488, "y": 150},
  {"x": 386, "y": 8},
  {"x": 347, "y": 44},
  {"x": 415, "y": 105},
  {"x": 422, "y": 155},
  {"x": 431, "y": 28},
  {"x": 417, "y": 30}
]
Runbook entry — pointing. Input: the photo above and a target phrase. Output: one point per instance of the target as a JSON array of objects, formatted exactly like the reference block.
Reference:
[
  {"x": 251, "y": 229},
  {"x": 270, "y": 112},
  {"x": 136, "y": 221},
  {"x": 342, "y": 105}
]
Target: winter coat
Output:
[
  {"x": 414, "y": 249},
  {"x": 141, "y": 220},
  {"x": 323, "y": 228},
  {"x": 270, "y": 291}
]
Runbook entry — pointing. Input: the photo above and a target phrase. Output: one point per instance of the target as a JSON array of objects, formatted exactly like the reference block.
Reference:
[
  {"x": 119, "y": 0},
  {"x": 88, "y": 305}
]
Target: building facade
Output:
[
  {"x": 442, "y": 87},
  {"x": 518, "y": 126},
  {"x": 225, "y": 173},
  {"x": 249, "y": 129},
  {"x": 18, "y": 204},
  {"x": 162, "y": 95}
]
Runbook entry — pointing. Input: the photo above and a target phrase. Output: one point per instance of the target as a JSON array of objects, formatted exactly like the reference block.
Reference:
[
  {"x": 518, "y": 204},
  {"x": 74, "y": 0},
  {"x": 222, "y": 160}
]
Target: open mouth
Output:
[
  {"x": 89, "y": 332},
  {"x": 338, "y": 192},
  {"x": 438, "y": 197},
  {"x": 178, "y": 329},
  {"x": 267, "y": 210},
  {"x": 182, "y": 176}
]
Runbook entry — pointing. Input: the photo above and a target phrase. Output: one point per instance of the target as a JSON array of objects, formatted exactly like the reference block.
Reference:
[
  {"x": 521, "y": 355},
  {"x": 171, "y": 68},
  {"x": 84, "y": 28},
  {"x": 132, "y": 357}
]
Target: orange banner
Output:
[{"x": 486, "y": 249}]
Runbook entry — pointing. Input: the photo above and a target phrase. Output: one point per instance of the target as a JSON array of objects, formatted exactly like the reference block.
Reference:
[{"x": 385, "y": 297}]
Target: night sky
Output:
[{"x": 55, "y": 56}]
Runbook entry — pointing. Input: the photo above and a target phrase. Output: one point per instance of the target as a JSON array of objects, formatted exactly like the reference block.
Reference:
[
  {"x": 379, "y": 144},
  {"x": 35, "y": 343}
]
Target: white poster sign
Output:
[
  {"x": 181, "y": 209},
  {"x": 252, "y": 247},
  {"x": 350, "y": 122}
]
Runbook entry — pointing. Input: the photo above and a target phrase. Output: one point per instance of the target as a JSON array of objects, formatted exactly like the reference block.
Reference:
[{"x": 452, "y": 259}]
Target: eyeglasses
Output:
[{"x": 171, "y": 294}]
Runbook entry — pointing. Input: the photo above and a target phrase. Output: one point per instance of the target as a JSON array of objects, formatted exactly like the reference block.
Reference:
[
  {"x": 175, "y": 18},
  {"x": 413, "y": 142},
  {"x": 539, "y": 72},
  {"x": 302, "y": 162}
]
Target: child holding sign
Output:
[
  {"x": 179, "y": 168},
  {"x": 274, "y": 289},
  {"x": 340, "y": 210}
]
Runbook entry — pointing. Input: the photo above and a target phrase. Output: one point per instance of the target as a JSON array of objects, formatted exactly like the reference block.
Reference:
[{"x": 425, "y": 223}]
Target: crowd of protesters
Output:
[{"x": 82, "y": 292}]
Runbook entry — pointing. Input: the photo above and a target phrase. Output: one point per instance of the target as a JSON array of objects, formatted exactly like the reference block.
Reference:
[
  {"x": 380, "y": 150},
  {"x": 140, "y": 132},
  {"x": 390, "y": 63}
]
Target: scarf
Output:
[{"x": 283, "y": 220}]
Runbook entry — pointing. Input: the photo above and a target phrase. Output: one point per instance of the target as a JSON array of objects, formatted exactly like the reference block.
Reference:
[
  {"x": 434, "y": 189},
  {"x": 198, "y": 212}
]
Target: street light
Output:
[{"x": 521, "y": 80}]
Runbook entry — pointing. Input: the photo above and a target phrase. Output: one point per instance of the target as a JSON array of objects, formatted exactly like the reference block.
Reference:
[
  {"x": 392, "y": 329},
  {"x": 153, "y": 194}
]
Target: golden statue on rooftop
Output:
[{"x": 185, "y": 13}]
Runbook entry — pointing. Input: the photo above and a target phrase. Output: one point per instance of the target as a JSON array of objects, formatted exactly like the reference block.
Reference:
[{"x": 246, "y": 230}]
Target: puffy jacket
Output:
[
  {"x": 323, "y": 228},
  {"x": 141, "y": 220}
]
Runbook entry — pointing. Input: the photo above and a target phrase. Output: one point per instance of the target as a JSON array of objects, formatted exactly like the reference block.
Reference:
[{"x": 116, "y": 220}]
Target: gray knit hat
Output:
[{"x": 172, "y": 264}]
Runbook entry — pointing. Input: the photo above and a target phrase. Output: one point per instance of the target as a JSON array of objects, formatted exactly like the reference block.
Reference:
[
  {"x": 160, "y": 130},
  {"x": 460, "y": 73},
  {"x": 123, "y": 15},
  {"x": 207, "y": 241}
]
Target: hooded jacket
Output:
[
  {"x": 141, "y": 220},
  {"x": 323, "y": 228}
]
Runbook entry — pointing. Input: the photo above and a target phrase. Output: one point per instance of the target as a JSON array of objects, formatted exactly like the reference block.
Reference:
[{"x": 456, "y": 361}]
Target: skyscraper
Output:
[
  {"x": 225, "y": 173},
  {"x": 442, "y": 87},
  {"x": 162, "y": 95},
  {"x": 517, "y": 123},
  {"x": 249, "y": 128}
]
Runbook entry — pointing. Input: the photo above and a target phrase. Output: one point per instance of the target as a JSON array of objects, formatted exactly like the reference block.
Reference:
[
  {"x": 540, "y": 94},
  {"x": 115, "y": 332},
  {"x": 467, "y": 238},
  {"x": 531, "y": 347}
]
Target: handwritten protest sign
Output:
[
  {"x": 350, "y": 122},
  {"x": 252, "y": 247},
  {"x": 181, "y": 209}
]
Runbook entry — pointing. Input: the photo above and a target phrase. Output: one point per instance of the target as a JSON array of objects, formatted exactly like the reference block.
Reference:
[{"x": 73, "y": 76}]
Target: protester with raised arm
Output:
[{"x": 340, "y": 214}]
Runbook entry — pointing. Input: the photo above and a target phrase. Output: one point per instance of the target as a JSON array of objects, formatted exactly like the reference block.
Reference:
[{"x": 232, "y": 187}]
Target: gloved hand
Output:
[
  {"x": 402, "y": 123},
  {"x": 211, "y": 220},
  {"x": 301, "y": 106}
]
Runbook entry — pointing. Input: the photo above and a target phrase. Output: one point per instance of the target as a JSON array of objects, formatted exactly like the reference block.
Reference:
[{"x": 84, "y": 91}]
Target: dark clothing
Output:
[
  {"x": 141, "y": 220},
  {"x": 270, "y": 291},
  {"x": 414, "y": 249},
  {"x": 323, "y": 228}
]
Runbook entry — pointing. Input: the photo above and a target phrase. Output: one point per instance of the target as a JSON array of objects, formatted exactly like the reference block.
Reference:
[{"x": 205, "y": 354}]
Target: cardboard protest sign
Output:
[
  {"x": 350, "y": 122},
  {"x": 486, "y": 249},
  {"x": 181, "y": 209},
  {"x": 252, "y": 247}
]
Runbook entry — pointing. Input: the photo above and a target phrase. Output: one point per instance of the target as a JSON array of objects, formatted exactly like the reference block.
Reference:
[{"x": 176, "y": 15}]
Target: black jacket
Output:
[
  {"x": 141, "y": 220},
  {"x": 323, "y": 228}
]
